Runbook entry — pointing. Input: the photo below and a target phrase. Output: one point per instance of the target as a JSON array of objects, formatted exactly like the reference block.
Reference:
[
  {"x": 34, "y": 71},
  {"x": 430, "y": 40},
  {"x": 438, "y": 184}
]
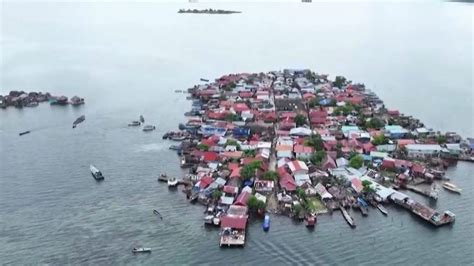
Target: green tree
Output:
[
  {"x": 232, "y": 117},
  {"x": 317, "y": 157},
  {"x": 441, "y": 139},
  {"x": 374, "y": 123},
  {"x": 252, "y": 202},
  {"x": 313, "y": 102},
  {"x": 300, "y": 120},
  {"x": 297, "y": 209},
  {"x": 310, "y": 206},
  {"x": 229, "y": 86},
  {"x": 233, "y": 143},
  {"x": 366, "y": 184},
  {"x": 379, "y": 140},
  {"x": 270, "y": 175},
  {"x": 216, "y": 194},
  {"x": 261, "y": 205},
  {"x": 315, "y": 141},
  {"x": 339, "y": 81},
  {"x": 356, "y": 162},
  {"x": 248, "y": 171},
  {"x": 300, "y": 193},
  {"x": 202, "y": 147},
  {"x": 249, "y": 153}
]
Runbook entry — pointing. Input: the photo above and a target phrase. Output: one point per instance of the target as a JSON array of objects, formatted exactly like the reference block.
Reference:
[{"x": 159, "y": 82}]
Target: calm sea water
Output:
[{"x": 126, "y": 59}]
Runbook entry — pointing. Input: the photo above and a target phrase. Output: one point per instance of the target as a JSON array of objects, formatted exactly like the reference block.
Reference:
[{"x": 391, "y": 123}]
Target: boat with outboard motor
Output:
[{"x": 96, "y": 173}]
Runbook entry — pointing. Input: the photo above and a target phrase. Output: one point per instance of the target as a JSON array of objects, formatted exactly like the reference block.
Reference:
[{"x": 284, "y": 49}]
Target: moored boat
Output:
[
  {"x": 32, "y": 104},
  {"x": 310, "y": 220},
  {"x": 134, "y": 124},
  {"x": 141, "y": 250},
  {"x": 266, "y": 223},
  {"x": 451, "y": 187},
  {"x": 348, "y": 218},
  {"x": 172, "y": 182},
  {"x": 96, "y": 173},
  {"x": 149, "y": 128},
  {"x": 382, "y": 209},
  {"x": 363, "y": 206},
  {"x": 163, "y": 178}
]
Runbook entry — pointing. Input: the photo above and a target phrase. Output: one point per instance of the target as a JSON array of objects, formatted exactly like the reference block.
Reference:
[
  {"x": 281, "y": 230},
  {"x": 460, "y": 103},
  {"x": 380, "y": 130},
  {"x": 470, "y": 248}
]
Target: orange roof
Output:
[
  {"x": 284, "y": 148},
  {"x": 232, "y": 154}
]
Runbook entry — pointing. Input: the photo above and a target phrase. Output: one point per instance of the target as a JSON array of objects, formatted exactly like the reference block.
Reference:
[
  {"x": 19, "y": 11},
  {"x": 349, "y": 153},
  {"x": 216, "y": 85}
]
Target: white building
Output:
[{"x": 424, "y": 150}]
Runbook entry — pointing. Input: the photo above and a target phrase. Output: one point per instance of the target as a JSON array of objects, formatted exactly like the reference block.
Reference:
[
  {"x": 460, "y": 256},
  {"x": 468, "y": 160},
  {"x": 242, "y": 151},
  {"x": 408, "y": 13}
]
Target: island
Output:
[
  {"x": 21, "y": 99},
  {"x": 299, "y": 144},
  {"x": 208, "y": 11}
]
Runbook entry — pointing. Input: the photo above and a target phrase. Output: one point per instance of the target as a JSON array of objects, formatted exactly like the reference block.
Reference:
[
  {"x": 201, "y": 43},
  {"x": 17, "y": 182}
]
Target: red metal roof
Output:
[
  {"x": 239, "y": 107},
  {"x": 232, "y": 166},
  {"x": 209, "y": 156},
  {"x": 417, "y": 168},
  {"x": 235, "y": 173},
  {"x": 234, "y": 222},
  {"x": 242, "y": 199},
  {"x": 287, "y": 182},
  {"x": 230, "y": 189},
  {"x": 388, "y": 164},
  {"x": 205, "y": 181}
]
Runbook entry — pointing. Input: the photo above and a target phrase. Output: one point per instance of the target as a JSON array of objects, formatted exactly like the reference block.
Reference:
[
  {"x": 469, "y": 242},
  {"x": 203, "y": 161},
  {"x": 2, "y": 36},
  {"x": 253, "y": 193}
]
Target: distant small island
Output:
[{"x": 208, "y": 11}]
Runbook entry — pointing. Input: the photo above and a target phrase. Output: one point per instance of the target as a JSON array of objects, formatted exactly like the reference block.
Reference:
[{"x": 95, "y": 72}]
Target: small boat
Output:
[
  {"x": 141, "y": 250},
  {"x": 178, "y": 138},
  {"x": 363, "y": 206},
  {"x": 157, "y": 213},
  {"x": 178, "y": 91},
  {"x": 79, "y": 120},
  {"x": 193, "y": 198},
  {"x": 382, "y": 209},
  {"x": 310, "y": 220},
  {"x": 172, "y": 182},
  {"x": 32, "y": 104},
  {"x": 24, "y": 133},
  {"x": 266, "y": 223},
  {"x": 452, "y": 187},
  {"x": 75, "y": 101},
  {"x": 96, "y": 173},
  {"x": 348, "y": 218},
  {"x": 205, "y": 80},
  {"x": 163, "y": 178},
  {"x": 149, "y": 128},
  {"x": 175, "y": 147},
  {"x": 134, "y": 124},
  {"x": 142, "y": 119}
]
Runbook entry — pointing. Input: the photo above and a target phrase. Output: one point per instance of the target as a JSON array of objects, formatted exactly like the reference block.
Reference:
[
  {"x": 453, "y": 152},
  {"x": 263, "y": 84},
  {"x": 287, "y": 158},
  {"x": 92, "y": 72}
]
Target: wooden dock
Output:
[{"x": 430, "y": 193}]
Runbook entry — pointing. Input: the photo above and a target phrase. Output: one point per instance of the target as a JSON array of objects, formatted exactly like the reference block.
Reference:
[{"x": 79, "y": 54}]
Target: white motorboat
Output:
[
  {"x": 141, "y": 250},
  {"x": 452, "y": 187},
  {"x": 96, "y": 173},
  {"x": 172, "y": 182}
]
